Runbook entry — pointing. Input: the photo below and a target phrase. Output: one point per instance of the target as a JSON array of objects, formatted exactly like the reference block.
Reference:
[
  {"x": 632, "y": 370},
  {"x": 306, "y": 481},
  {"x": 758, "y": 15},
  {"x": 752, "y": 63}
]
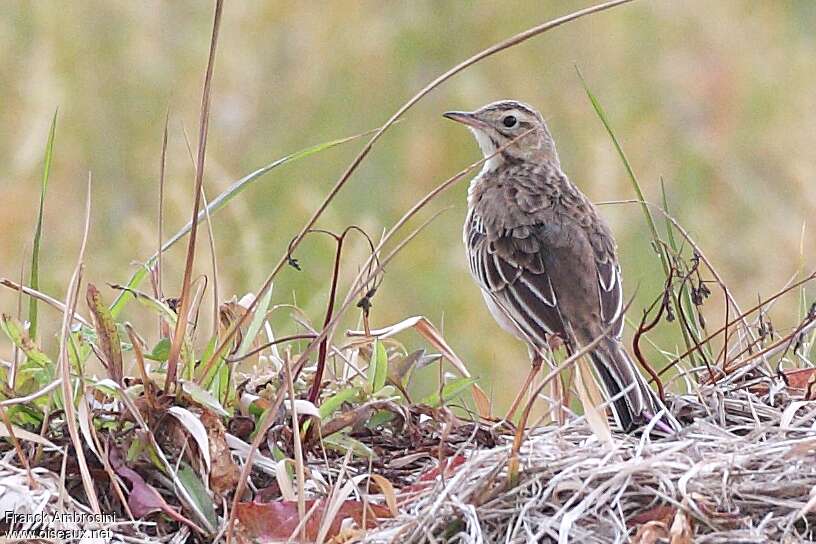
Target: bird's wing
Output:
[
  {"x": 549, "y": 275},
  {"x": 511, "y": 271},
  {"x": 610, "y": 291}
]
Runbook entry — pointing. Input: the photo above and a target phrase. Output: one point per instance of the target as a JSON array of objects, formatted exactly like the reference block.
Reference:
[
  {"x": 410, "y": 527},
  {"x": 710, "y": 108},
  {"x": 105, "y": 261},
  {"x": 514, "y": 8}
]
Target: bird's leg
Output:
[
  {"x": 556, "y": 386},
  {"x": 536, "y": 366},
  {"x": 557, "y": 412}
]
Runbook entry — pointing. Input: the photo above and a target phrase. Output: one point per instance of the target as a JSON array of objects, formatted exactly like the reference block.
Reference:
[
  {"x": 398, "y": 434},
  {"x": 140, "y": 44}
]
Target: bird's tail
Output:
[{"x": 638, "y": 404}]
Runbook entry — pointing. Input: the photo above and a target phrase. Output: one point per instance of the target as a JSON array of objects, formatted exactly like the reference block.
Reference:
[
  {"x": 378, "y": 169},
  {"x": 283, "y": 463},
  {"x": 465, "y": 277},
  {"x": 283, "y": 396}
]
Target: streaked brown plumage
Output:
[{"x": 545, "y": 260}]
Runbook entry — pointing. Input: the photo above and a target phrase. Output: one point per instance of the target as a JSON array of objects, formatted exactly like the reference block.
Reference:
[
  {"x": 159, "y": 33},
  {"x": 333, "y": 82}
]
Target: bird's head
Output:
[{"x": 499, "y": 123}]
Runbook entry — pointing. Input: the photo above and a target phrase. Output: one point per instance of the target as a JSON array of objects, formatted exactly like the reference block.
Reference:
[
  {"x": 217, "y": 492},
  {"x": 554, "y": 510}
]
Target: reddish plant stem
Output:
[
  {"x": 314, "y": 392},
  {"x": 643, "y": 329}
]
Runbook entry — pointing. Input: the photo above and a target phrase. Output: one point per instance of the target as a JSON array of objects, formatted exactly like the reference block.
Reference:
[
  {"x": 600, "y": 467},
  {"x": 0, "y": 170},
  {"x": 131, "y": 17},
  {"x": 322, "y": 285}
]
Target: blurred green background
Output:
[{"x": 716, "y": 97}]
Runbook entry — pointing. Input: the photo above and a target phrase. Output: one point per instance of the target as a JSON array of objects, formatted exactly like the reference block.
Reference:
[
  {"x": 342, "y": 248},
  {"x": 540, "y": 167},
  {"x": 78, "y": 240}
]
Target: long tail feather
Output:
[{"x": 618, "y": 372}]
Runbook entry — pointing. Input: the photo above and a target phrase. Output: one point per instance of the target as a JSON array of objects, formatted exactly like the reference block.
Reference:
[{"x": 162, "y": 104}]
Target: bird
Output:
[{"x": 544, "y": 258}]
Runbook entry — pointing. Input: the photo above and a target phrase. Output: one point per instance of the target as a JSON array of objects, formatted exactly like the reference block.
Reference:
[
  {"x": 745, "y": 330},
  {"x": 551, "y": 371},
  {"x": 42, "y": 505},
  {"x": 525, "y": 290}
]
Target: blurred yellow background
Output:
[{"x": 715, "y": 97}]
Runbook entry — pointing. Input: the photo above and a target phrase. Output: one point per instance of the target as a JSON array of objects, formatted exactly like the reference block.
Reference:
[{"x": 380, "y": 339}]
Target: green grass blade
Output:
[
  {"x": 378, "y": 367},
  {"x": 669, "y": 227},
  {"x": 687, "y": 303},
  {"x": 632, "y": 177},
  {"x": 256, "y": 324},
  {"x": 661, "y": 250},
  {"x": 34, "y": 280},
  {"x": 216, "y": 204},
  {"x": 449, "y": 392}
]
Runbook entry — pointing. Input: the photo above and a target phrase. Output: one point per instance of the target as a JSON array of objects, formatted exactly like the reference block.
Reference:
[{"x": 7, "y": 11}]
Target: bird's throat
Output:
[{"x": 488, "y": 147}]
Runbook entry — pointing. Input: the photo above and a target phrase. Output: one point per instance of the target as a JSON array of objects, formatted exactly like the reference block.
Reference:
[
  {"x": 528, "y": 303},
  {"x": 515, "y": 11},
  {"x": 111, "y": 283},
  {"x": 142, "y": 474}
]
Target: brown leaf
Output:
[
  {"x": 800, "y": 378},
  {"x": 361, "y": 414},
  {"x": 106, "y": 333},
  {"x": 143, "y": 498},
  {"x": 663, "y": 513},
  {"x": 798, "y": 381},
  {"x": 681, "y": 530},
  {"x": 223, "y": 472},
  {"x": 651, "y": 533},
  {"x": 448, "y": 467},
  {"x": 277, "y": 521}
]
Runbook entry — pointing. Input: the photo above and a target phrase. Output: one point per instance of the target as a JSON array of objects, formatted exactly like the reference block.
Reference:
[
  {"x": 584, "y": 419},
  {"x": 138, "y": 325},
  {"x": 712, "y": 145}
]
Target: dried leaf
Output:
[
  {"x": 143, "y": 498},
  {"x": 681, "y": 531},
  {"x": 277, "y": 521},
  {"x": 106, "y": 333},
  {"x": 22, "y": 434},
  {"x": 303, "y": 408},
  {"x": 483, "y": 405},
  {"x": 651, "y": 533},
  {"x": 387, "y": 489},
  {"x": 285, "y": 481},
  {"x": 224, "y": 472},
  {"x": 400, "y": 369}
]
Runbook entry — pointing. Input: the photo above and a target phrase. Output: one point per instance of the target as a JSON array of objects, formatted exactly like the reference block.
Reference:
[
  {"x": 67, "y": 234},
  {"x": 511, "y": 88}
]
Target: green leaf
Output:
[
  {"x": 450, "y": 390},
  {"x": 342, "y": 443},
  {"x": 160, "y": 352},
  {"x": 203, "y": 397},
  {"x": 632, "y": 178},
  {"x": 198, "y": 493},
  {"x": 333, "y": 403},
  {"x": 153, "y": 304},
  {"x": 20, "y": 338},
  {"x": 255, "y": 325},
  {"x": 25, "y": 416},
  {"x": 378, "y": 368},
  {"x": 379, "y": 419},
  {"x": 34, "y": 280},
  {"x": 216, "y": 204}
]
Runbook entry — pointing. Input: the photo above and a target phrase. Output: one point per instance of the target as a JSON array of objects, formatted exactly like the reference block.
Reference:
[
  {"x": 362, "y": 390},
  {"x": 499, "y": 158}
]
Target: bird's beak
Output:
[{"x": 464, "y": 117}]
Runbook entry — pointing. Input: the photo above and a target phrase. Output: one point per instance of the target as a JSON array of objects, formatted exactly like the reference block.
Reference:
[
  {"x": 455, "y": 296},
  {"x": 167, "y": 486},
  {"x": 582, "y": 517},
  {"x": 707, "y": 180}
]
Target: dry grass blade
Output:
[
  {"x": 211, "y": 241},
  {"x": 299, "y": 471},
  {"x": 64, "y": 364},
  {"x": 591, "y": 398},
  {"x": 33, "y": 396},
  {"x": 160, "y": 218},
  {"x": 184, "y": 306},
  {"x": 54, "y": 303}
]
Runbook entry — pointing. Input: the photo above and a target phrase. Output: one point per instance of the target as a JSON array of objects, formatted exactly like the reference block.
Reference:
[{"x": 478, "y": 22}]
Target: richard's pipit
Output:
[{"x": 543, "y": 257}]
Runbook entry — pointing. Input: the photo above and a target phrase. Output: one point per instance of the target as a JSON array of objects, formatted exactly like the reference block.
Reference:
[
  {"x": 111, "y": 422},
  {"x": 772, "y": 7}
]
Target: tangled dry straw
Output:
[{"x": 741, "y": 472}]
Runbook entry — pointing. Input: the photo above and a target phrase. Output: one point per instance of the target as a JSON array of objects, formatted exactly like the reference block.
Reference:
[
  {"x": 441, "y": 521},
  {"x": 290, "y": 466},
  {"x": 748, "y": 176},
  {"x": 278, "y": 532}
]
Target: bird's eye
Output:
[{"x": 509, "y": 121}]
